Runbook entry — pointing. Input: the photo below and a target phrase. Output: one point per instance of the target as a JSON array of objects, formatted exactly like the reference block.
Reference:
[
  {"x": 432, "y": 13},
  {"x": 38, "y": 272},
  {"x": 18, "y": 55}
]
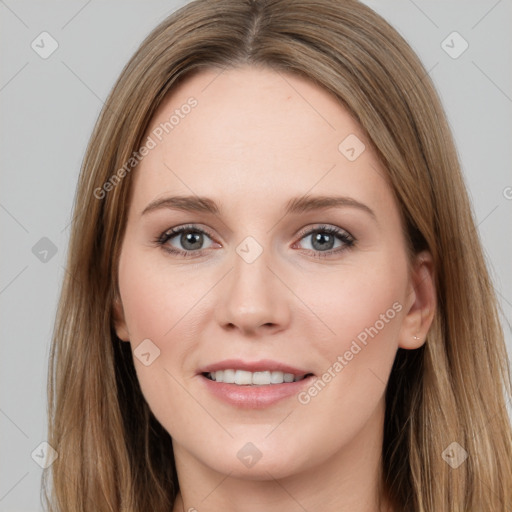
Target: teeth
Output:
[
  {"x": 288, "y": 377},
  {"x": 276, "y": 377},
  {"x": 245, "y": 378},
  {"x": 242, "y": 377},
  {"x": 261, "y": 378},
  {"x": 229, "y": 376}
]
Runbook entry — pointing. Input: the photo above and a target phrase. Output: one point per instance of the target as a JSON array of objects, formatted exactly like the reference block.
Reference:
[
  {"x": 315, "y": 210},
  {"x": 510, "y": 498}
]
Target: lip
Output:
[
  {"x": 254, "y": 366},
  {"x": 253, "y": 397}
]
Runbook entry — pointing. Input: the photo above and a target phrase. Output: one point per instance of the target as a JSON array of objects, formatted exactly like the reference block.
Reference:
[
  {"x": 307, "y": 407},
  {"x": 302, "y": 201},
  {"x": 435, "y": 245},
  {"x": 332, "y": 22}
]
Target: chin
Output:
[{"x": 259, "y": 460}]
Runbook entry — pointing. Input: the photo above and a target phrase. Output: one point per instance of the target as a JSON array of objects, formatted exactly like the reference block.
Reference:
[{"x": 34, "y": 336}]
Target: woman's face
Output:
[{"x": 265, "y": 285}]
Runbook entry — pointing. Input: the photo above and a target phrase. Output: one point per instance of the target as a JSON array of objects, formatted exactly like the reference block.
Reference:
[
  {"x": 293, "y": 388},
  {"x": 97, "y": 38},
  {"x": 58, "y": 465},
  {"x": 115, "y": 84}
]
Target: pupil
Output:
[
  {"x": 189, "y": 243},
  {"x": 323, "y": 240}
]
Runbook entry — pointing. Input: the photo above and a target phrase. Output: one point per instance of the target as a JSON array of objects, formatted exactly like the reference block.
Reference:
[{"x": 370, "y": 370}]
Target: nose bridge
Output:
[{"x": 254, "y": 296}]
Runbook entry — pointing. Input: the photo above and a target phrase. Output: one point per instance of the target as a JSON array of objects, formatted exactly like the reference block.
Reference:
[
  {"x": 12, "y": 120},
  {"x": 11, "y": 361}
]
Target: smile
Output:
[
  {"x": 247, "y": 378},
  {"x": 253, "y": 384}
]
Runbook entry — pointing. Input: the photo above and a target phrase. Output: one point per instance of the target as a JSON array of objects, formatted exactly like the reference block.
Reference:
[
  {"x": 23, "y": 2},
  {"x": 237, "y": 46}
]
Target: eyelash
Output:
[{"x": 342, "y": 235}]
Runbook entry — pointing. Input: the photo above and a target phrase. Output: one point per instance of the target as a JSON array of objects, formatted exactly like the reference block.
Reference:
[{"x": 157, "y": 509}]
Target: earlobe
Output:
[
  {"x": 119, "y": 321},
  {"x": 421, "y": 304}
]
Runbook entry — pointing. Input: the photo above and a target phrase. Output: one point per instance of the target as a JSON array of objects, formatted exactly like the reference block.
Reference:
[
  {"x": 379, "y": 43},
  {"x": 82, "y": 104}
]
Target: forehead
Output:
[
  {"x": 247, "y": 107},
  {"x": 255, "y": 133}
]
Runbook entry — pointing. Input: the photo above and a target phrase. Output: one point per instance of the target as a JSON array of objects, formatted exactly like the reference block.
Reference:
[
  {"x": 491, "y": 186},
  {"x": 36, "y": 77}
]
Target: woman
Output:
[{"x": 209, "y": 354}]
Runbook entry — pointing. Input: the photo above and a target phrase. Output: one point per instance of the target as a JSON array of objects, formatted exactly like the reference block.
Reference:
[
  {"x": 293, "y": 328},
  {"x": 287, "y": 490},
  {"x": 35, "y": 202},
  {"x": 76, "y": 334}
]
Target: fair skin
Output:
[{"x": 256, "y": 139}]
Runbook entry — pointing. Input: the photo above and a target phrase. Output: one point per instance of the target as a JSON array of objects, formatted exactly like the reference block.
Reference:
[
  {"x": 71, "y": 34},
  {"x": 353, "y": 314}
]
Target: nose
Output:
[{"x": 253, "y": 298}]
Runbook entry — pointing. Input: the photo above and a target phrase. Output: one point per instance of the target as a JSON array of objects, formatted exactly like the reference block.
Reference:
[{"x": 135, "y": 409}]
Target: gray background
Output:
[{"x": 49, "y": 107}]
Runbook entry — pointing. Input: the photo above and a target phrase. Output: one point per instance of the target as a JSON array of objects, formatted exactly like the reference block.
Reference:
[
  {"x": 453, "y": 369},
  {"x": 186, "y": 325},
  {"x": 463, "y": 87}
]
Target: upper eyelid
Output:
[
  {"x": 172, "y": 232},
  {"x": 323, "y": 227}
]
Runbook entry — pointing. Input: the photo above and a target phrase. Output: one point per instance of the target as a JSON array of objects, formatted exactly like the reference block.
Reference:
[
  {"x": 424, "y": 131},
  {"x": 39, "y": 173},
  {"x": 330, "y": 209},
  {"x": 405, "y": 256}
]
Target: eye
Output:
[
  {"x": 190, "y": 238},
  {"x": 323, "y": 240}
]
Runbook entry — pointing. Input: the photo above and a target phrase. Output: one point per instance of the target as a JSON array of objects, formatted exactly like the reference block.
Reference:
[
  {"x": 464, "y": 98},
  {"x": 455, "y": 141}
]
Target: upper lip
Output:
[{"x": 253, "y": 366}]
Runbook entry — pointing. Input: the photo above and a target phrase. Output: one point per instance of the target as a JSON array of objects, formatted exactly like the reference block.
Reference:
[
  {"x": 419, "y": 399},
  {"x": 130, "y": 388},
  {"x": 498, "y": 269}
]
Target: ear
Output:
[
  {"x": 119, "y": 321},
  {"x": 420, "y": 303}
]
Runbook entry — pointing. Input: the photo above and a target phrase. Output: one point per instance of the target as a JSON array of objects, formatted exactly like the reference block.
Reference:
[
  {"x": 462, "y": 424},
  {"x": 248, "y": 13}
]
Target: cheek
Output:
[
  {"x": 362, "y": 301},
  {"x": 155, "y": 300},
  {"x": 367, "y": 308},
  {"x": 364, "y": 306},
  {"x": 157, "y": 306}
]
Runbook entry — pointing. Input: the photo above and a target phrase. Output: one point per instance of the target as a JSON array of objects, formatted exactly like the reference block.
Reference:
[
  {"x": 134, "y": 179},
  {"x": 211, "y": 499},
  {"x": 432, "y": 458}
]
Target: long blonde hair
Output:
[{"x": 112, "y": 453}]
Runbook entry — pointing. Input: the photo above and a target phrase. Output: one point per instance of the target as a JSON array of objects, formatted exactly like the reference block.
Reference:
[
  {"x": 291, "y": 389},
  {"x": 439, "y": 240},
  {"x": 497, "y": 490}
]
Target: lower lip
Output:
[{"x": 254, "y": 397}]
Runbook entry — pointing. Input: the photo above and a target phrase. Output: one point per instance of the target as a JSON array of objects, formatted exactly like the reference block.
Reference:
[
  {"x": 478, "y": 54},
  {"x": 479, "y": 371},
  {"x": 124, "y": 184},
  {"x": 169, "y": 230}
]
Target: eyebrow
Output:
[{"x": 293, "y": 206}]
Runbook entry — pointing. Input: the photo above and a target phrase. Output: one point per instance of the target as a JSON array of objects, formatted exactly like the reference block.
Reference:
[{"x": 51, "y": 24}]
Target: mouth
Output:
[{"x": 253, "y": 385}]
